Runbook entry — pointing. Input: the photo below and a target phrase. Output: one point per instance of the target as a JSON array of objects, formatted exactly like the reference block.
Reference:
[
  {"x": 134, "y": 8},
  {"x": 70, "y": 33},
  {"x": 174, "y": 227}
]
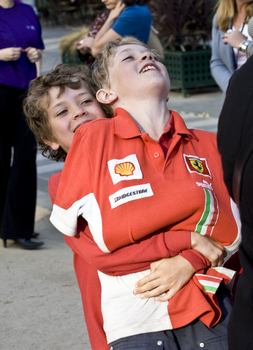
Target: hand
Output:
[
  {"x": 166, "y": 276},
  {"x": 209, "y": 248},
  {"x": 85, "y": 45},
  {"x": 114, "y": 13},
  {"x": 10, "y": 54},
  {"x": 233, "y": 38},
  {"x": 33, "y": 54}
]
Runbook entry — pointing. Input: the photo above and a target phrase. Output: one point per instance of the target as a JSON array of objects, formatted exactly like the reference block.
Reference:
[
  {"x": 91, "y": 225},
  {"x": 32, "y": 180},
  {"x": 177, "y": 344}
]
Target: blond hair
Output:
[{"x": 226, "y": 11}]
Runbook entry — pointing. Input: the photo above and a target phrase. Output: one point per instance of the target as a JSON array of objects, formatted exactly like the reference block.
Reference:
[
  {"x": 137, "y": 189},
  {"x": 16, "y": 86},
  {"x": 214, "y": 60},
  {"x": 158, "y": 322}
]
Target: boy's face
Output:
[
  {"x": 136, "y": 74},
  {"x": 68, "y": 111}
]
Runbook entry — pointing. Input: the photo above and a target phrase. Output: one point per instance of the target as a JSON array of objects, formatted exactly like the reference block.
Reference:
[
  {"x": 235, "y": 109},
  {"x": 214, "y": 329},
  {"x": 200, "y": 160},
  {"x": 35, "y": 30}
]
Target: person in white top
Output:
[{"x": 230, "y": 39}]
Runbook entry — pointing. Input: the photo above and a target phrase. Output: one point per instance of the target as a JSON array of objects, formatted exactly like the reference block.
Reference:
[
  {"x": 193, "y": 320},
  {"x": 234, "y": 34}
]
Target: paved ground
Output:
[{"x": 40, "y": 304}]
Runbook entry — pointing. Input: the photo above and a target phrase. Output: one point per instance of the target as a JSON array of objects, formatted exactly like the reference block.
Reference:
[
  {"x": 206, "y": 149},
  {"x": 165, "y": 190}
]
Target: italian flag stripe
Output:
[
  {"x": 210, "y": 289},
  {"x": 208, "y": 278},
  {"x": 209, "y": 216},
  {"x": 209, "y": 286}
]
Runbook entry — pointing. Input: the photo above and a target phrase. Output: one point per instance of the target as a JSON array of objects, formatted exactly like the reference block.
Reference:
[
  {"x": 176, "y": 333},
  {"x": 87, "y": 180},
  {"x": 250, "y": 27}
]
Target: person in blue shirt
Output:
[{"x": 127, "y": 17}]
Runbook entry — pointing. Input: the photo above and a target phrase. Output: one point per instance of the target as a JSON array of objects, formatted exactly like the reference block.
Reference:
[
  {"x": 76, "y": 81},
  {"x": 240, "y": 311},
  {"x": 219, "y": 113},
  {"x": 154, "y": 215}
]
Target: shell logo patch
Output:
[
  {"x": 197, "y": 165},
  {"x": 124, "y": 169}
]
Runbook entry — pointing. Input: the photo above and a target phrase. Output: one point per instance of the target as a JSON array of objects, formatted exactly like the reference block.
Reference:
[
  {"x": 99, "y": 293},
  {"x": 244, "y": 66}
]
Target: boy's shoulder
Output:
[{"x": 96, "y": 125}]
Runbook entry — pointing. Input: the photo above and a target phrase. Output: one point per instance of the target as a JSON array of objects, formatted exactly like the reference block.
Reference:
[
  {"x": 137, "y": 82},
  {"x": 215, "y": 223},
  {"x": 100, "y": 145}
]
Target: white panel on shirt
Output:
[
  {"x": 65, "y": 220},
  {"x": 124, "y": 313}
]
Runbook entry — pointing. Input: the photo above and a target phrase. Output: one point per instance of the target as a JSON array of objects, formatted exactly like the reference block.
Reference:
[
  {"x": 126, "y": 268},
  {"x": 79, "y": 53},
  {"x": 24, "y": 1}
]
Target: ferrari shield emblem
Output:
[{"x": 197, "y": 165}]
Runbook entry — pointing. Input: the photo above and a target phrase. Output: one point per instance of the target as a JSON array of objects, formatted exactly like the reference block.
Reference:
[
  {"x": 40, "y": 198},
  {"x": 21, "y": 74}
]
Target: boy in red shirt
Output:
[{"x": 82, "y": 240}]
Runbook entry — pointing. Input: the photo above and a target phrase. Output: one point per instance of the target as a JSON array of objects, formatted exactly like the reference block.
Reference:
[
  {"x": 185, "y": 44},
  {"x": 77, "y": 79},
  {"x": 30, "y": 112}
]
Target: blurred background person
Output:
[
  {"x": 127, "y": 17},
  {"x": 76, "y": 48},
  {"x": 84, "y": 46},
  {"x": 230, "y": 39},
  {"x": 21, "y": 48}
]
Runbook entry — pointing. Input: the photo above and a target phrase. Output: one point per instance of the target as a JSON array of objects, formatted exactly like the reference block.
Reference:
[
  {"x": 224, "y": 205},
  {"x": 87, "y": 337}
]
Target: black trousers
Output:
[{"x": 17, "y": 167}]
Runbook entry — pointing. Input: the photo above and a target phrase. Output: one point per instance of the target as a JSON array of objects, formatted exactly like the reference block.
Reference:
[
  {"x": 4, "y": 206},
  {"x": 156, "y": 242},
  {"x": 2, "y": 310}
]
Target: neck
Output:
[
  {"x": 6, "y": 3},
  {"x": 241, "y": 8},
  {"x": 151, "y": 116}
]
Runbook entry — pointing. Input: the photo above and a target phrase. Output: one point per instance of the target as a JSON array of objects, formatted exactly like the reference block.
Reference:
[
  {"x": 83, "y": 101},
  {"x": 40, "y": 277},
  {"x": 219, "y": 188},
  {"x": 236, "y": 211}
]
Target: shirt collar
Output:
[{"x": 125, "y": 127}]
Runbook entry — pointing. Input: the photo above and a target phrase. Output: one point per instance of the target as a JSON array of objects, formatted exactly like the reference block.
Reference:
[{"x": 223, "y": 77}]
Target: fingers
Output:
[
  {"x": 152, "y": 289},
  {"x": 219, "y": 260},
  {"x": 166, "y": 296},
  {"x": 33, "y": 54},
  {"x": 145, "y": 282}
]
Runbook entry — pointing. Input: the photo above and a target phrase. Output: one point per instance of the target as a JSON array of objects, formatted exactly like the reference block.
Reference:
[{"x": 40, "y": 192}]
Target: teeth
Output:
[{"x": 147, "y": 68}]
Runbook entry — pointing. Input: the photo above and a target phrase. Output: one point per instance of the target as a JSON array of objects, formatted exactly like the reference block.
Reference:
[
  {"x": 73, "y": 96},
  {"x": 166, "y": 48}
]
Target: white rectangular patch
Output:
[
  {"x": 127, "y": 168},
  {"x": 129, "y": 194}
]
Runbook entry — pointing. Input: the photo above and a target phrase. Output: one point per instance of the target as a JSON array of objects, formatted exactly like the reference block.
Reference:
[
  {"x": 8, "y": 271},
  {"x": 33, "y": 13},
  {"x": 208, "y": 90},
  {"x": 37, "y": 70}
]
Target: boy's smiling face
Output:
[
  {"x": 68, "y": 111},
  {"x": 134, "y": 72}
]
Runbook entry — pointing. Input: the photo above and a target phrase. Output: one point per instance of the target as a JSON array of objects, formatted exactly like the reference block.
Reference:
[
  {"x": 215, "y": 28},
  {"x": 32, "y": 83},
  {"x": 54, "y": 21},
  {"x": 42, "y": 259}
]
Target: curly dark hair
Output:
[{"x": 62, "y": 76}]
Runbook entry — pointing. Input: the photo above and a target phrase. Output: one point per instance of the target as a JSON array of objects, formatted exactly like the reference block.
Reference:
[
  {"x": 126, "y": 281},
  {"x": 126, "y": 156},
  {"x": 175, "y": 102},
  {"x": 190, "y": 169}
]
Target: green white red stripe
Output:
[
  {"x": 210, "y": 214},
  {"x": 210, "y": 283}
]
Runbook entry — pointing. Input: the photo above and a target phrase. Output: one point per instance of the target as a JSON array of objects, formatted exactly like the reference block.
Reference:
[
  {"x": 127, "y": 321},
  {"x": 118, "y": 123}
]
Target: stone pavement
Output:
[{"x": 40, "y": 304}]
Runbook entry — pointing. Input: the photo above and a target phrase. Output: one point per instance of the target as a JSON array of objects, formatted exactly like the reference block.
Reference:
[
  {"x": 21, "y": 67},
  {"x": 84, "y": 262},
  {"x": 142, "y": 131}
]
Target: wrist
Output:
[
  {"x": 243, "y": 45},
  {"x": 194, "y": 240}
]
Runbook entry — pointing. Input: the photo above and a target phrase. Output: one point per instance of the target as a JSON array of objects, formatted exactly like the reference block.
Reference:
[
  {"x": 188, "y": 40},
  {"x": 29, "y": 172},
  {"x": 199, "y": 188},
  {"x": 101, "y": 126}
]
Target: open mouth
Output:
[{"x": 148, "y": 67}]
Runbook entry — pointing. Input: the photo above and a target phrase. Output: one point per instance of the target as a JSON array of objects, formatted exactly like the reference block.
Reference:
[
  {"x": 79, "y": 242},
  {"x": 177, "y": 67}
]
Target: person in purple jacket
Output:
[{"x": 21, "y": 48}]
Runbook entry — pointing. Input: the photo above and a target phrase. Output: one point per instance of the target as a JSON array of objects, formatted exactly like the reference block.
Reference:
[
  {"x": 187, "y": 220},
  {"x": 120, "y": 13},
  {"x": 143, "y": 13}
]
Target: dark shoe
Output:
[
  {"x": 26, "y": 243},
  {"x": 35, "y": 235}
]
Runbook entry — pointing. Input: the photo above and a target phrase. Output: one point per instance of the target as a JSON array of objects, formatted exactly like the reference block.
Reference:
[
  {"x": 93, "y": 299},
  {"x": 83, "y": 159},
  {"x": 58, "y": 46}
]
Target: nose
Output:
[
  {"x": 147, "y": 56},
  {"x": 78, "y": 112}
]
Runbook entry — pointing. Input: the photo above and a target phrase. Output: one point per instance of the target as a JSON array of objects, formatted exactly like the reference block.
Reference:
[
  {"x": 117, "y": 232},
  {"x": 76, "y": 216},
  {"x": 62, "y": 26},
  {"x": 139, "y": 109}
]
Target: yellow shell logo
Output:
[
  {"x": 197, "y": 165},
  {"x": 124, "y": 169}
]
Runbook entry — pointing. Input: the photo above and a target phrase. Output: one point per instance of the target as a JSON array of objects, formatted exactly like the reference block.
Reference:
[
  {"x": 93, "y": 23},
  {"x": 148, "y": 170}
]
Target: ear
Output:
[
  {"x": 53, "y": 145},
  {"x": 106, "y": 97}
]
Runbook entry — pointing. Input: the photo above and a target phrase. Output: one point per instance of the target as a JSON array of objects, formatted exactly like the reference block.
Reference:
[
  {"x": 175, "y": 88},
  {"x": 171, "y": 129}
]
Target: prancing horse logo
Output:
[{"x": 197, "y": 165}]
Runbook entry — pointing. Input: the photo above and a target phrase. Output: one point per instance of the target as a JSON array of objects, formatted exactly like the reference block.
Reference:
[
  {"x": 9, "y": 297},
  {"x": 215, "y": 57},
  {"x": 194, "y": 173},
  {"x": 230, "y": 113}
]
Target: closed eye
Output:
[
  {"x": 61, "y": 112},
  {"x": 127, "y": 58},
  {"x": 86, "y": 101}
]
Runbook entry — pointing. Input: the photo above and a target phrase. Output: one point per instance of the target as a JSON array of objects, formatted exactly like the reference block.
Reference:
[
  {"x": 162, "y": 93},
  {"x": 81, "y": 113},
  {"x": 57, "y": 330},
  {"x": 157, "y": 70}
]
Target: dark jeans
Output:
[
  {"x": 17, "y": 167},
  {"x": 191, "y": 337}
]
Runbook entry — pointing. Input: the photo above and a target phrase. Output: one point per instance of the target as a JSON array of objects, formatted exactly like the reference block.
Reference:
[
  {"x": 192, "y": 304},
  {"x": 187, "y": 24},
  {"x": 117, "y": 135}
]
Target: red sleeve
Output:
[
  {"x": 198, "y": 261},
  {"x": 134, "y": 257},
  {"x": 128, "y": 259}
]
